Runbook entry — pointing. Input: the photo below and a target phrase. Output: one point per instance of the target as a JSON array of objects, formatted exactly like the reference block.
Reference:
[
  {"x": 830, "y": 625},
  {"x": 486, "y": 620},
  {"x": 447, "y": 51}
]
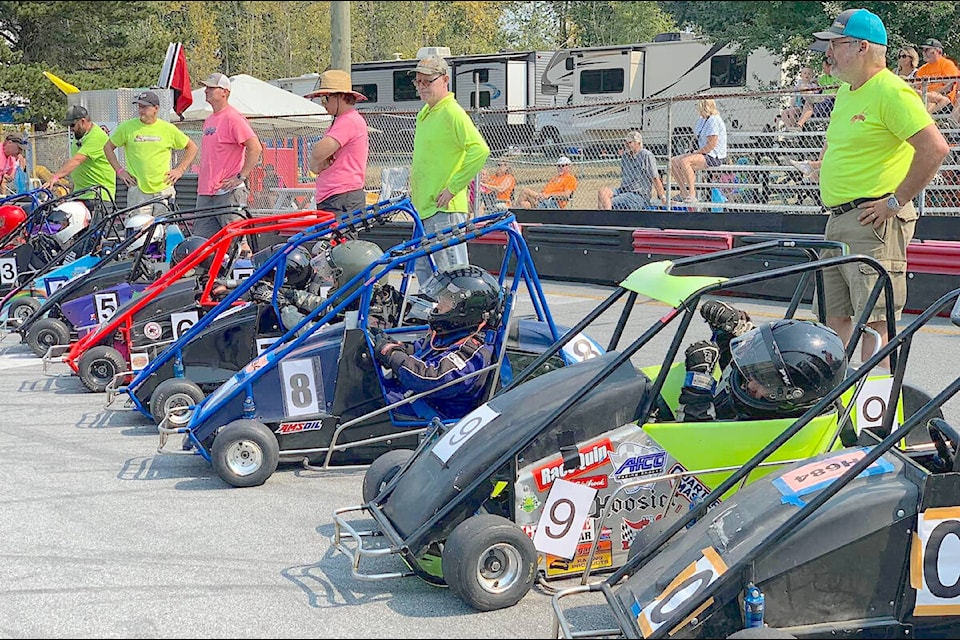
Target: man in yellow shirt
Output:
[
  {"x": 556, "y": 193},
  {"x": 882, "y": 148}
]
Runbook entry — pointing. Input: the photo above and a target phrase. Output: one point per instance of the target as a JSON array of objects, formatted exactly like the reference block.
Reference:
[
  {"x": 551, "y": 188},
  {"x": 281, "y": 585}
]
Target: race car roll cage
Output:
[
  {"x": 683, "y": 294},
  {"x": 119, "y": 253},
  {"x": 406, "y": 254},
  {"x": 222, "y": 245},
  {"x": 36, "y": 198},
  {"x": 897, "y": 350},
  {"x": 346, "y": 225}
]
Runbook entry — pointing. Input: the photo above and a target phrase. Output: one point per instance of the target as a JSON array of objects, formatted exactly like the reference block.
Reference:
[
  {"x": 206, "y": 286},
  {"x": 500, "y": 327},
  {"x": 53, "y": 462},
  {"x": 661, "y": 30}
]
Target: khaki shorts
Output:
[{"x": 847, "y": 287}]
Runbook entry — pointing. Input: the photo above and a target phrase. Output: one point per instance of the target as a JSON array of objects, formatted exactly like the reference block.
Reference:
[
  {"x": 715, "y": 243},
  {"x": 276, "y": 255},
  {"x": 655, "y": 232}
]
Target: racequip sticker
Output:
[
  {"x": 297, "y": 427},
  {"x": 632, "y": 461},
  {"x": 592, "y": 456}
]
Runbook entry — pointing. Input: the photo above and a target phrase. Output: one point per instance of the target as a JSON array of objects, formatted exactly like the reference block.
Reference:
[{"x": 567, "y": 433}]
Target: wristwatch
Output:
[{"x": 893, "y": 204}]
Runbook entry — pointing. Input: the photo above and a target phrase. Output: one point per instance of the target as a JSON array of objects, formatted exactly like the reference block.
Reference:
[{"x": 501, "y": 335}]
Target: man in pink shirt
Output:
[
  {"x": 340, "y": 157},
  {"x": 228, "y": 153},
  {"x": 13, "y": 144}
]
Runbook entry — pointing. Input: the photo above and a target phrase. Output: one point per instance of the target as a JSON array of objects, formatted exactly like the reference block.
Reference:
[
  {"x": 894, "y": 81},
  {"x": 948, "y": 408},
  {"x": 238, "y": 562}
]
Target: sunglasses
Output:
[
  {"x": 903, "y": 55},
  {"x": 426, "y": 83}
]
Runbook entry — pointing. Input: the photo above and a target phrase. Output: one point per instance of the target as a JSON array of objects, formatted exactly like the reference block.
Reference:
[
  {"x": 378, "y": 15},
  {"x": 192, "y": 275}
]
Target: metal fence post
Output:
[{"x": 669, "y": 153}]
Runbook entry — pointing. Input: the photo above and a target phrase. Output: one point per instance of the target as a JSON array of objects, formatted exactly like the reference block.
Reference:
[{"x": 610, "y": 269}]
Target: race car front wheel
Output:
[
  {"x": 46, "y": 333},
  {"x": 245, "y": 453},
  {"x": 174, "y": 393},
  {"x": 98, "y": 366},
  {"x": 382, "y": 471},
  {"x": 489, "y": 562},
  {"x": 22, "y": 308}
]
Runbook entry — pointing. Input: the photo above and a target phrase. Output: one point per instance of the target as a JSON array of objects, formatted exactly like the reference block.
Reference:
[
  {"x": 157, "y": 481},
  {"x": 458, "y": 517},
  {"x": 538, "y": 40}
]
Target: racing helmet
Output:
[
  {"x": 342, "y": 262},
  {"x": 188, "y": 246},
  {"x": 138, "y": 221},
  {"x": 464, "y": 296},
  {"x": 67, "y": 220},
  {"x": 782, "y": 368},
  {"x": 298, "y": 271},
  {"x": 11, "y": 217}
]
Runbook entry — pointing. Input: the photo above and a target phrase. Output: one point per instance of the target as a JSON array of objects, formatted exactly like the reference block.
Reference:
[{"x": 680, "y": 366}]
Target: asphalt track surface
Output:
[{"x": 103, "y": 537}]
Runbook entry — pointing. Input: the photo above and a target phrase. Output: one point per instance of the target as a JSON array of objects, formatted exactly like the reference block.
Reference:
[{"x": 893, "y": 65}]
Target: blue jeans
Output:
[{"x": 445, "y": 258}]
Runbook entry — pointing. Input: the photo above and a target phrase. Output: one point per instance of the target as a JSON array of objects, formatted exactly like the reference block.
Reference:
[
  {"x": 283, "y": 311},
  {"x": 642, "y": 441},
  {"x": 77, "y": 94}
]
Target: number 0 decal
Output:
[
  {"x": 300, "y": 395},
  {"x": 8, "y": 270},
  {"x": 468, "y": 427},
  {"x": 106, "y": 305},
  {"x": 935, "y": 562},
  {"x": 561, "y": 521},
  {"x": 581, "y": 348},
  {"x": 685, "y": 587}
]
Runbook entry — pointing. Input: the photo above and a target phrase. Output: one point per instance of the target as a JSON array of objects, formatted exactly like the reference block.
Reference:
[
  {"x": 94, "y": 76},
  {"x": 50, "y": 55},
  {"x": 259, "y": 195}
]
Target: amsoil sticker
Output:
[{"x": 297, "y": 427}]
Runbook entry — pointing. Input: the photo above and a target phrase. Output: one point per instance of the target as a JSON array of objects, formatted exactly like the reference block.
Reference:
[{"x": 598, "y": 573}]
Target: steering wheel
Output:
[{"x": 946, "y": 439}]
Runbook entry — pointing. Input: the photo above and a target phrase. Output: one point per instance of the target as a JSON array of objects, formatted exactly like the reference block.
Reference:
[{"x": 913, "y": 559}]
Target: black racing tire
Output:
[
  {"x": 98, "y": 366},
  {"x": 382, "y": 470},
  {"x": 489, "y": 562},
  {"x": 174, "y": 393},
  {"x": 755, "y": 633},
  {"x": 22, "y": 308},
  {"x": 46, "y": 333},
  {"x": 245, "y": 453}
]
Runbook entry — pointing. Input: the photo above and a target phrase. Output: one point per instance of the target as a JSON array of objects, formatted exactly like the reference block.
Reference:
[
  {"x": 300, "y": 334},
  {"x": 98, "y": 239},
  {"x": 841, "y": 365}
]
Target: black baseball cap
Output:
[
  {"x": 75, "y": 112},
  {"x": 147, "y": 98}
]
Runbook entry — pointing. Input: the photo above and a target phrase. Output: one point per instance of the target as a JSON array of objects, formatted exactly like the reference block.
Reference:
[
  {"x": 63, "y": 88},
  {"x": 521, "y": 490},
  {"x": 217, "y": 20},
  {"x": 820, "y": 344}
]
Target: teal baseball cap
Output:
[{"x": 856, "y": 23}]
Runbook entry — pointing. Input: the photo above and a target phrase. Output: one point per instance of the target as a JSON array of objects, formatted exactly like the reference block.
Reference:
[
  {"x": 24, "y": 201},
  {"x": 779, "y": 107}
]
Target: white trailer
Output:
[{"x": 601, "y": 82}]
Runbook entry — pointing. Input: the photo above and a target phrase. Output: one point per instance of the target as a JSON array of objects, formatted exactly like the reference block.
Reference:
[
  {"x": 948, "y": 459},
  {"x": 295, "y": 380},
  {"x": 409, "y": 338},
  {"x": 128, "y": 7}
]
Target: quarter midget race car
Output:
[
  {"x": 318, "y": 393},
  {"x": 857, "y": 543},
  {"x": 175, "y": 300},
  {"x": 518, "y": 486},
  {"x": 228, "y": 337}
]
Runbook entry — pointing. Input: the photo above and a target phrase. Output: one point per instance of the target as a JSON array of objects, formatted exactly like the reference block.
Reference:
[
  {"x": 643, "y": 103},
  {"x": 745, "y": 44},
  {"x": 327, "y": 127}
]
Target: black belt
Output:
[{"x": 854, "y": 204}]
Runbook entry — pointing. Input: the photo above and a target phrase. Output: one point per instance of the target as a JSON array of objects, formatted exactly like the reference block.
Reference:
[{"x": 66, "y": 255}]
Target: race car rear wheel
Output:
[
  {"x": 382, "y": 471},
  {"x": 22, "y": 308},
  {"x": 98, "y": 366},
  {"x": 174, "y": 393},
  {"x": 245, "y": 453},
  {"x": 46, "y": 333},
  {"x": 489, "y": 562}
]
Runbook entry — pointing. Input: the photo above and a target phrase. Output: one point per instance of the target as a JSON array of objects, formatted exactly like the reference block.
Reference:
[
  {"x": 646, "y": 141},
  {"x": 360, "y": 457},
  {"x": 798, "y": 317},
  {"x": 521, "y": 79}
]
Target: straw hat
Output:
[{"x": 335, "y": 81}]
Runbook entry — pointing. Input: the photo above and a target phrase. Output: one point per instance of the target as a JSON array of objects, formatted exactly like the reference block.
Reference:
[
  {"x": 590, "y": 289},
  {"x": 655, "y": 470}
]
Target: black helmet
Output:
[
  {"x": 298, "y": 271},
  {"x": 342, "y": 262},
  {"x": 465, "y": 296},
  {"x": 185, "y": 248},
  {"x": 782, "y": 368}
]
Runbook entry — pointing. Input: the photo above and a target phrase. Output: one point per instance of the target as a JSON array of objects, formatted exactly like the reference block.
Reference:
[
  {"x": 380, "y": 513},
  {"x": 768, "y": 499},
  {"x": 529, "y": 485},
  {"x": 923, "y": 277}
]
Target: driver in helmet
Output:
[
  {"x": 138, "y": 221},
  {"x": 11, "y": 217},
  {"x": 776, "y": 370},
  {"x": 66, "y": 221},
  {"x": 468, "y": 302}
]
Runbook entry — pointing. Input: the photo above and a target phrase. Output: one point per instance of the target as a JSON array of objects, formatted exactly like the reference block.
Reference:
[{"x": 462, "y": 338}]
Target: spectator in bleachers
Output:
[
  {"x": 805, "y": 82},
  {"x": 710, "y": 150},
  {"x": 638, "y": 178},
  {"x": 497, "y": 188},
  {"x": 907, "y": 62},
  {"x": 940, "y": 95},
  {"x": 556, "y": 193},
  {"x": 820, "y": 106}
]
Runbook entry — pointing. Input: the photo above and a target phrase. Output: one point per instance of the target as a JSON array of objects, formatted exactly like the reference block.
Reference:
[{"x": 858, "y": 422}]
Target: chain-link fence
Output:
[{"x": 762, "y": 170}]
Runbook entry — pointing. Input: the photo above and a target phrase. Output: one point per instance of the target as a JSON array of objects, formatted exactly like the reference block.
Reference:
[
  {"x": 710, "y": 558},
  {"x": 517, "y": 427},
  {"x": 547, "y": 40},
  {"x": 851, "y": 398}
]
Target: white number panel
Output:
[
  {"x": 300, "y": 389},
  {"x": 563, "y": 517},
  {"x": 468, "y": 427},
  {"x": 106, "y": 305},
  {"x": 181, "y": 322}
]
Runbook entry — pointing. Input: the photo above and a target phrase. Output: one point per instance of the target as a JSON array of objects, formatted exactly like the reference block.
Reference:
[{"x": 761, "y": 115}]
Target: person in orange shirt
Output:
[
  {"x": 498, "y": 188},
  {"x": 556, "y": 193},
  {"x": 937, "y": 65}
]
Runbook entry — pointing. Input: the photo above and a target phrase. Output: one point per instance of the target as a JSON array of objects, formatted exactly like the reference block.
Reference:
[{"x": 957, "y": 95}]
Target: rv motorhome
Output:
[
  {"x": 507, "y": 83},
  {"x": 607, "y": 81}
]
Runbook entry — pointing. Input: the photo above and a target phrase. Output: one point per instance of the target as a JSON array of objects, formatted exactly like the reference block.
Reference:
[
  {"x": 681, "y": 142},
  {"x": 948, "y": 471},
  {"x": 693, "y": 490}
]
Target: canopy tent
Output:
[{"x": 265, "y": 105}]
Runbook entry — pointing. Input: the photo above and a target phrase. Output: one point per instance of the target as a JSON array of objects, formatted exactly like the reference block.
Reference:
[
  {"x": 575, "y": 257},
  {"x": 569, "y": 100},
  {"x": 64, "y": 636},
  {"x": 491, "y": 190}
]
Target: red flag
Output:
[{"x": 180, "y": 83}]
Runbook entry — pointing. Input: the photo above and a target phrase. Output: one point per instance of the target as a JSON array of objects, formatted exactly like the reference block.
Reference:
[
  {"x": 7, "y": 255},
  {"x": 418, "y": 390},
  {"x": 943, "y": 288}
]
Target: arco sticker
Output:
[
  {"x": 935, "y": 562},
  {"x": 685, "y": 588}
]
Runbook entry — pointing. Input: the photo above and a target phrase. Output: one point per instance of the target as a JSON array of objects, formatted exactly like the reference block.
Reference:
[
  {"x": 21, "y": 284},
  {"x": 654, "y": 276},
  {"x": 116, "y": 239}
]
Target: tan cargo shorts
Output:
[{"x": 847, "y": 287}]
